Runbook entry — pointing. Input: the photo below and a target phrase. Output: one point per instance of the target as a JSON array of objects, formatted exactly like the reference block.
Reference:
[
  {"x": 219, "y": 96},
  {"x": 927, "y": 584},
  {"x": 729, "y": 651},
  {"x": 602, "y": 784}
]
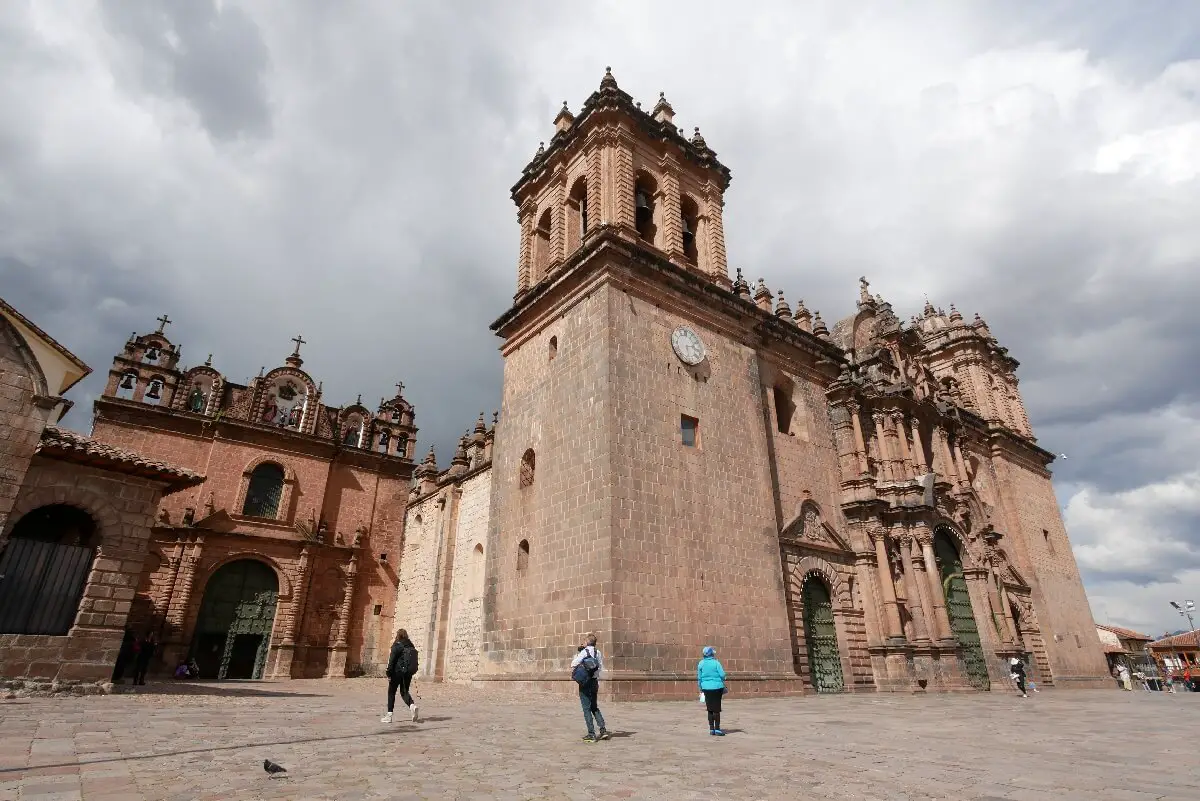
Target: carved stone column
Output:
[
  {"x": 906, "y": 459},
  {"x": 941, "y": 443},
  {"x": 915, "y": 591},
  {"x": 285, "y": 653},
  {"x": 959, "y": 465},
  {"x": 337, "y": 654},
  {"x": 918, "y": 448},
  {"x": 937, "y": 597},
  {"x": 176, "y": 642},
  {"x": 883, "y": 571},
  {"x": 885, "y": 458},
  {"x": 860, "y": 445}
]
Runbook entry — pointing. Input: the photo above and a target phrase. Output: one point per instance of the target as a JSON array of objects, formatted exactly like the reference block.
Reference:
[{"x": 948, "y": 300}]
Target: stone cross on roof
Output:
[
  {"x": 299, "y": 340},
  {"x": 163, "y": 322}
]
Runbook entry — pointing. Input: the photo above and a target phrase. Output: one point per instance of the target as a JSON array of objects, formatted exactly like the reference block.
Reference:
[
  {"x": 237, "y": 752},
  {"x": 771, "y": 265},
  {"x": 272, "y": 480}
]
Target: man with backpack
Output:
[
  {"x": 585, "y": 671},
  {"x": 402, "y": 666}
]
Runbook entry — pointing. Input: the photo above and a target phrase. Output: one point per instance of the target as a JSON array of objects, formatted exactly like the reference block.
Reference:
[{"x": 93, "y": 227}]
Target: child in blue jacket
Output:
[{"x": 711, "y": 678}]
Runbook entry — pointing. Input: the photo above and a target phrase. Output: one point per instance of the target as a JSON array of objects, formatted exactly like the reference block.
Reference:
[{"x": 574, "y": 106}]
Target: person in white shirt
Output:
[{"x": 585, "y": 670}]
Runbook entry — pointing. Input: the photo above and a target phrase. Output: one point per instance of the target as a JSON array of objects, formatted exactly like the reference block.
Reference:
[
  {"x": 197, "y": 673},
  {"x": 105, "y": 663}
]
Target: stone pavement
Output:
[{"x": 208, "y": 741}]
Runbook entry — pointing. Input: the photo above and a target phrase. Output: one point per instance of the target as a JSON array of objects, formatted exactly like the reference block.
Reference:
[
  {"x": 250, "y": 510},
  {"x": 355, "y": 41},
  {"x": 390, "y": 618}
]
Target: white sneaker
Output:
[
  {"x": 387, "y": 718},
  {"x": 414, "y": 711}
]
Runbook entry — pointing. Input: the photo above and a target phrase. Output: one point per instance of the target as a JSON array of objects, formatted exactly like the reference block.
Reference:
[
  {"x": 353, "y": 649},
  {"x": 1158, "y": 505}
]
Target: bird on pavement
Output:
[{"x": 273, "y": 769}]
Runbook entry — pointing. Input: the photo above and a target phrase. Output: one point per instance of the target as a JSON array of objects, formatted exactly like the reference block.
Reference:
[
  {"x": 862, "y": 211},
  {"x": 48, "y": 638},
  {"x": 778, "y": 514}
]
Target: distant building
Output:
[
  {"x": 1179, "y": 656},
  {"x": 1127, "y": 647}
]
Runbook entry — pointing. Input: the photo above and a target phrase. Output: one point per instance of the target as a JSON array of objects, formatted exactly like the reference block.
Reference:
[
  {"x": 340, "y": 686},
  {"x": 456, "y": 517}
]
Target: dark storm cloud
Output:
[
  {"x": 259, "y": 170},
  {"x": 209, "y": 54}
]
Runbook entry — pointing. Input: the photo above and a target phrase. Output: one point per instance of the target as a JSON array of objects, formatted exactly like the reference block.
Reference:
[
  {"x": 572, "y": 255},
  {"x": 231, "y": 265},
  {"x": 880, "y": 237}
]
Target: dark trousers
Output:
[
  {"x": 1020, "y": 680},
  {"x": 588, "y": 695},
  {"x": 401, "y": 683},
  {"x": 139, "y": 675},
  {"x": 712, "y": 701}
]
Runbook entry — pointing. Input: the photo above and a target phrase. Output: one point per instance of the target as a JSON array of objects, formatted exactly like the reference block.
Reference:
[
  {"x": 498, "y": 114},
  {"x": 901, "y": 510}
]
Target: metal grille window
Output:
[
  {"x": 43, "y": 570},
  {"x": 264, "y": 492}
]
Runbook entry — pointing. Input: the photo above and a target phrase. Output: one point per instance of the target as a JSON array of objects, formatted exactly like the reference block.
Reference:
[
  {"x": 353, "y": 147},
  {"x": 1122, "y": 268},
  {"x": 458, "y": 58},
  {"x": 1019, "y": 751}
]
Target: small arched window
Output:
[
  {"x": 523, "y": 556},
  {"x": 476, "y": 588},
  {"x": 553, "y": 347},
  {"x": 264, "y": 491},
  {"x": 127, "y": 386},
  {"x": 689, "y": 214},
  {"x": 643, "y": 207},
  {"x": 527, "y": 468},
  {"x": 541, "y": 246},
  {"x": 402, "y": 446}
]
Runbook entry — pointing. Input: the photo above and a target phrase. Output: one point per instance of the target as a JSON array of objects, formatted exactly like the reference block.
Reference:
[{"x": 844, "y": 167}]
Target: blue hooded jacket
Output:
[{"x": 709, "y": 673}]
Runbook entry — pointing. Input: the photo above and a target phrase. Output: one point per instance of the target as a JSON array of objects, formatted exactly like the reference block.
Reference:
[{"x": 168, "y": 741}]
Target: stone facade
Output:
[
  {"x": 315, "y": 493},
  {"x": 683, "y": 459}
]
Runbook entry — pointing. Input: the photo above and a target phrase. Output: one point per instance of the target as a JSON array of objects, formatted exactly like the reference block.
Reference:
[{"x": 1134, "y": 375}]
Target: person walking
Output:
[
  {"x": 1123, "y": 677},
  {"x": 146, "y": 649},
  {"x": 402, "y": 666},
  {"x": 1017, "y": 672},
  {"x": 586, "y": 668},
  {"x": 124, "y": 655},
  {"x": 710, "y": 675}
]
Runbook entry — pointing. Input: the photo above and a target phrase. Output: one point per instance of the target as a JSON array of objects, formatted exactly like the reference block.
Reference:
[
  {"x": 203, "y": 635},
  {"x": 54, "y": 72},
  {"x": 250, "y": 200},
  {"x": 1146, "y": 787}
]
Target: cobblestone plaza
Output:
[{"x": 208, "y": 741}]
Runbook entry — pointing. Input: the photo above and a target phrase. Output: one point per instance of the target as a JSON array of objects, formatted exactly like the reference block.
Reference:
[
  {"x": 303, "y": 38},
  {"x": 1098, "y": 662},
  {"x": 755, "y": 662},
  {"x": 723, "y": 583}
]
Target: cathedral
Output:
[
  {"x": 683, "y": 458},
  {"x": 281, "y": 562}
]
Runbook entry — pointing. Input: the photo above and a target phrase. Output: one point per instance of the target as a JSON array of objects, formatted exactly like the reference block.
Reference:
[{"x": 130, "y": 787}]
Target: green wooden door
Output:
[
  {"x": 236, "y": 615},
  {"x": 962, "y": 616},
  {"x": 824, "y": 660}
]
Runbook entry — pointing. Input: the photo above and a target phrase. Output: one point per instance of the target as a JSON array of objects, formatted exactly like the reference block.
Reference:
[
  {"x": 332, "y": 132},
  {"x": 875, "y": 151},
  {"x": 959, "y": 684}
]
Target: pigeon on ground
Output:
[{"x": 273, "y": 769}]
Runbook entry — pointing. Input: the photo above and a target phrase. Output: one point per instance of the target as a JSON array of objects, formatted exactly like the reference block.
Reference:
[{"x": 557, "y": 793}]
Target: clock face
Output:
[{"x": 688, "y": 345}]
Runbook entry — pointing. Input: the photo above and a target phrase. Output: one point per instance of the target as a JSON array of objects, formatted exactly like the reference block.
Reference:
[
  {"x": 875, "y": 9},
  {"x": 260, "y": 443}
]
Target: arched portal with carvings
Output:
[
  {"x": 820, "y": 635},
  {"x": 233, "y": 631},
  {"x": 959, "y": 610}
]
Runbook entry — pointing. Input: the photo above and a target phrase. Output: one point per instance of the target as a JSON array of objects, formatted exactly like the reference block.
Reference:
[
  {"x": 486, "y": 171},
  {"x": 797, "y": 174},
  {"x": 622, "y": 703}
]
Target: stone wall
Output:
[
  {"x": 466, "y": 594},
  {"x": 418, "y": 576},
  {"x": 1036, "y": 540},
  {"x": 123, "y": 509},
  {"x": 21, "y": 422}
]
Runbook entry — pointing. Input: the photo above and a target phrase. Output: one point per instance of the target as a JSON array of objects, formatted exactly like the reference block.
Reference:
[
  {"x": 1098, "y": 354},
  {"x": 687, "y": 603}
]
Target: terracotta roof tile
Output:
[
  {"x": 1187, "y": 639},
  {"x": 62, "y": 443},
  {"x": 1128, "y": 634}
]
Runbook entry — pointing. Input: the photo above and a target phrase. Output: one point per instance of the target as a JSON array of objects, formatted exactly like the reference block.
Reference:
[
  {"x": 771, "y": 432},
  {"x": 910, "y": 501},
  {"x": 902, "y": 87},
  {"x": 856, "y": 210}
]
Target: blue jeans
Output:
[{"x": 587, "y": 700}]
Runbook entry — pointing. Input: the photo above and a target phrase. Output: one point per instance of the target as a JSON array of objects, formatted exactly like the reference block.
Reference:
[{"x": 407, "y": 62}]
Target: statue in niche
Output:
[
  {"x": 196, "y": 399},
  {"x": 293, "y": 417},
  {"x": 812, "y": 524},
  {"x": 189, "y": 516},
  {"x": 271, "y": 410},
  {"x": 350, "y": 438}
]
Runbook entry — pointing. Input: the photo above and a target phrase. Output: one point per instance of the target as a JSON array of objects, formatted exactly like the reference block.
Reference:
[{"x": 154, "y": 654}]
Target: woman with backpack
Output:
[
  {"x": 710, "y": 675},
  {"x": 585, "y": 670},
  {"x": 401, "y": 667}
]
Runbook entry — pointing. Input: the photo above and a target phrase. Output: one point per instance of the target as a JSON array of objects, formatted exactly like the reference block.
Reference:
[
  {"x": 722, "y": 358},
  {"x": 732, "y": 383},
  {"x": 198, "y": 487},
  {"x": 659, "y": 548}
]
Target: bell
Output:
[
  {"x": 642, "y": 206},
  {"x": 689, "y": 236},
  {"x": 127, "y": 382},
  {"x": 151, "y": 354},
  {"x": 153, "y": 392},
  {"x": 383, "y": 440}
]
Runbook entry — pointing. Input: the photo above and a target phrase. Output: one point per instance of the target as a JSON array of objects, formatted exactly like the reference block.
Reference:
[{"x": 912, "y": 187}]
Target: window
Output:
[
  {"x": 577, "y": 215},
  {"x": 541, "y": 247},
  {"x": 1049, "y": 542},
  {"x": 527, "y": 467},
  {"x": 689, "y": 215},
  {"x": 643, "y": 207},
  {"x": 127, "y": 386},
  {"x": 689, "y": 428},
  {"x": 383, "y": 557},
  {"x": 784, "y": 409},
  {"x": 553, "y": 347},
  {"x": 264, "y": 492},
  {"x": 378, "y": 610},
  {"x": 523, "y": 556}
]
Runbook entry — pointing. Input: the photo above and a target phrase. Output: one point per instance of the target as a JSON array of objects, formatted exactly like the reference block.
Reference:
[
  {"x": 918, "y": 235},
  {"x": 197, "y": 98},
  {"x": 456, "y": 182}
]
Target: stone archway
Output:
[
  {"x": 233, "y": 630},
  {"x": 959, "y": 610},
  {"x": 820, "y": 636},
  {"x": 45, "y": 566}
]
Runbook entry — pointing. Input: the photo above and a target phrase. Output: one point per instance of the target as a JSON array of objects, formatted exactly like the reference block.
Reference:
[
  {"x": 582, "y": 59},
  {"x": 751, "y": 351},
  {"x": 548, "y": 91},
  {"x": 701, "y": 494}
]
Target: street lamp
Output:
[{"x": 1186, "y": 610}]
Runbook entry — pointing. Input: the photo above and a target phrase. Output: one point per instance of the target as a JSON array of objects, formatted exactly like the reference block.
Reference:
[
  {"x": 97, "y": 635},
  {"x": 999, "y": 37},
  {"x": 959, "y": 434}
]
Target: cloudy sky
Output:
[{"x": 259, "y": 170}]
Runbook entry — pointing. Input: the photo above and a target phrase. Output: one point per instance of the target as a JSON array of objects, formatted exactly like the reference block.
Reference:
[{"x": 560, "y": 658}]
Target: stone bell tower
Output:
[{"x": 632, "y": 493}]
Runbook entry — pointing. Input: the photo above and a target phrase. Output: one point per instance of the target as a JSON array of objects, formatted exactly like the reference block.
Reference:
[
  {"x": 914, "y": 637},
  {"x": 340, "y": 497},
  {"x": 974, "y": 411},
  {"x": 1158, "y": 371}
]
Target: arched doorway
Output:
[
  {"x": 233, "y": 630},
  {"x": 44, "y": 568},
  {"x": 820, "y": 636},
  {"x": 958, "y": 608}
]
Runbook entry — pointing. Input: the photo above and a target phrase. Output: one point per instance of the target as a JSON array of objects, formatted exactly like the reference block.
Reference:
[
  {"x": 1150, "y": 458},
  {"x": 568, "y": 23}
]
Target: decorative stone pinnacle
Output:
[
  {"x": 782, "y": 309},
  {"x": 608, "y": 81},
  {"x": 208, "y": 361},
  {"x": 697, "y": 139},
  {"x": 541, "y": 148}
]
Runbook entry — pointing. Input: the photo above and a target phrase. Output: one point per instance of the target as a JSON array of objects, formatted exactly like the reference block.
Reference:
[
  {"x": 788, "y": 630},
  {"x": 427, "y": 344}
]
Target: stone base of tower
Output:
[
  {"x": 920, "y": 668},
  {"x": 636, "y": 686}
]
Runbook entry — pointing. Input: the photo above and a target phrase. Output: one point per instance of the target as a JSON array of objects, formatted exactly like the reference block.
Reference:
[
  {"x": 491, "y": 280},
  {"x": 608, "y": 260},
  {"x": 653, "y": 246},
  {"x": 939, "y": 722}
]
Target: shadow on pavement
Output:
[
  {"x": 232, "y": 689},
  {"x": 391, "y": 731}
]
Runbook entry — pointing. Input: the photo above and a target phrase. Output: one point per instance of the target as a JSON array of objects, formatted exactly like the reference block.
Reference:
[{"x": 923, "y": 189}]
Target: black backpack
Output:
[{"x": 408, "y": 659}]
